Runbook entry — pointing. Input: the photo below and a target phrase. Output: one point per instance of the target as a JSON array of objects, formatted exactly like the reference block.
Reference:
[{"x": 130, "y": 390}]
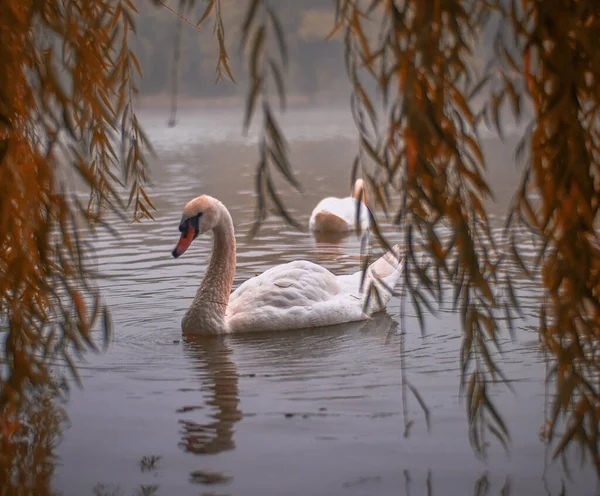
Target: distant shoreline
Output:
[{"x": 163, "y": 101}]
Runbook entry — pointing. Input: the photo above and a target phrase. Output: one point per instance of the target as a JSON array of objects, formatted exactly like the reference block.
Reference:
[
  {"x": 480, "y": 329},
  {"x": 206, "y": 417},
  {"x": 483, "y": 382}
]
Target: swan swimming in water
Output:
[
  {"x": 294, "y": 295},
  {"x": 338, "y": 215}
]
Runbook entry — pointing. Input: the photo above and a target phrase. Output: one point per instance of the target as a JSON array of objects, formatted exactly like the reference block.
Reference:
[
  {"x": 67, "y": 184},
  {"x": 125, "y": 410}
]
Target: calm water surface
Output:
[{"x": 315, "y": 412}]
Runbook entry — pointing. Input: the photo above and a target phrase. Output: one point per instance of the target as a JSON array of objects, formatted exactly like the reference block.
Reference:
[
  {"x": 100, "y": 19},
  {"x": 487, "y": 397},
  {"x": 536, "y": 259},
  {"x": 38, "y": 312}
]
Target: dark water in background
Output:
[{"x": 293, "y": 413}]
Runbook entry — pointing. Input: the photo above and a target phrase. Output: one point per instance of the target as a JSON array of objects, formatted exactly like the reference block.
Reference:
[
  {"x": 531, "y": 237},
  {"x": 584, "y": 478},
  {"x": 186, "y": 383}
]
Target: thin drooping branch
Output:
[
  {"x": 175, "y": 73},
  {"x": 261, "y": 25},
  {"x": 426, "y": 159}
]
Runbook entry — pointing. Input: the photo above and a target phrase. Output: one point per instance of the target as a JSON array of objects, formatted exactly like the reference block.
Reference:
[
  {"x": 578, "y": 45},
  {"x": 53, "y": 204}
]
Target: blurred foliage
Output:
[{"x": 66, "y": 87}]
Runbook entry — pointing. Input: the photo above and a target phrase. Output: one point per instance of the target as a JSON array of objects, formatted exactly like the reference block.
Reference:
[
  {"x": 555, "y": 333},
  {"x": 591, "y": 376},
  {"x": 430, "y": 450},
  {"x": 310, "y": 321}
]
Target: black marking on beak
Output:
[{"x": 193, "y": 221}]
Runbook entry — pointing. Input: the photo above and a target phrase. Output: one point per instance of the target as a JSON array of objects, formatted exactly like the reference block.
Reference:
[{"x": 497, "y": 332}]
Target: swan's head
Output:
[
  {"x": 359, "y": 192},
  {"x": 199, "y": 216}
]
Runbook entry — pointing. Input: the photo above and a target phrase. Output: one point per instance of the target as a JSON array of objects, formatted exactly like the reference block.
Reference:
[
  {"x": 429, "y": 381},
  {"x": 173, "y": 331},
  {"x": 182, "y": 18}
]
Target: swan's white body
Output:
[
  {"x": 302, "y": 294},
  {"x": 294, "y": 295},
  {"x": 339, "y": 214}
]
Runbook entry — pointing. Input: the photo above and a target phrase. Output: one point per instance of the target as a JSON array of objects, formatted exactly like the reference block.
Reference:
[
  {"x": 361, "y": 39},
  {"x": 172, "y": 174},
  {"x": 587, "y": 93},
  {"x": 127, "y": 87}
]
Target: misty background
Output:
[{"x": 315, "y": 74}]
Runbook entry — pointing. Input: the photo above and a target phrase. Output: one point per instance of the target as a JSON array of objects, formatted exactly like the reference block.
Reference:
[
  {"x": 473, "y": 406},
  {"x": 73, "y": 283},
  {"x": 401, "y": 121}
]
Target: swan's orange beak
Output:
[{"x": 184, "y": 241}]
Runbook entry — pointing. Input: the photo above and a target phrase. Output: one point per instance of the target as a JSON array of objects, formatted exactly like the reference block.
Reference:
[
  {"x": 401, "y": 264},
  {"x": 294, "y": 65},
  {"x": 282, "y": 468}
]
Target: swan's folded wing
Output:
[
  {"x": 292, "y": 295},
  {"x": 382, "y": 275},
  {"x": 302, "y": 294},
  {"x": 388, "y": 267}
]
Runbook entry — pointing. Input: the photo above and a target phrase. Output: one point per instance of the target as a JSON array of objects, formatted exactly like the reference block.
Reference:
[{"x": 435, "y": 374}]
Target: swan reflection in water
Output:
[
  {"x": 219, "y": 383},
  {"x": 218, "y": 374},
  {"x": 322, "y": 239},
  {"x": 219, "y": 377}
]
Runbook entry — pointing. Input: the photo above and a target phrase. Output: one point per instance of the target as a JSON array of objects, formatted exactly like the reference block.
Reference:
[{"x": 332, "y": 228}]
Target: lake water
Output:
[{"x": 315, "y": 412}]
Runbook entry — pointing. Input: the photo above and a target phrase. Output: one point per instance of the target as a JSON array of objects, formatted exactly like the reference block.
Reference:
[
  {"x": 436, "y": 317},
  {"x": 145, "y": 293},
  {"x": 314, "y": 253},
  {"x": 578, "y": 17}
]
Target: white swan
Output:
[
  {"x": 294, "y": 295},
  {"x": 337, "y": 215}
]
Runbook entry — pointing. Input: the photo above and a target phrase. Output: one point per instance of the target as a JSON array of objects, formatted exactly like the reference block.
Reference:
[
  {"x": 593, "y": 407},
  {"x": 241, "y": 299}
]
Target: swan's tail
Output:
[{"x": 381, "y": 279}]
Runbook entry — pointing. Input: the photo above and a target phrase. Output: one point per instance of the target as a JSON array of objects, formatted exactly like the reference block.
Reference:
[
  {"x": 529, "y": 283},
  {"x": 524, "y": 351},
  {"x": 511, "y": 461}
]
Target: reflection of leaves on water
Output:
[
  {"x": 206, "y": 477},
  {"x": 107, "y": 490},
  {"x": 29, "y": 432},
  {"x": 218, "y": 375},
  {"x": 428, "y": 484},
  {"x": 189, "y": 408},
  {"x": 406, "y": 474},
  {"x": 361, "y": 481},
  {"x": 101, "y": 489},
  {"x": 406, "y": 385},
  {"x": 481, "y": 486},
  {"x": 148, "y": 490},
  {"x": 148, "y": 463}
]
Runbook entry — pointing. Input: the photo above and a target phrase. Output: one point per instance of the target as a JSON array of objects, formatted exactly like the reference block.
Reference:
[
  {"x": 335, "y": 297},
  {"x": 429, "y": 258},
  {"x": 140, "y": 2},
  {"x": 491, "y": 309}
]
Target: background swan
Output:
[
  {"x": 339, "y": 214},
  {"x": 294, "y": 295}
]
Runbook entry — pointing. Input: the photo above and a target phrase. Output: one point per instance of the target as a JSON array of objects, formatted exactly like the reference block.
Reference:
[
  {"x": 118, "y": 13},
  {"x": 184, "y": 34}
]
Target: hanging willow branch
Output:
[
  {"x": 427, "y": 160},
  {"x": 558, "y": 202},
  {"x": 61, "y": 102},
  {"x": 175, "y": 74},
  {"x": 223, "y": 69},
  {"x": 260, "y": 25},
  {"x": 133, "y": 138}
]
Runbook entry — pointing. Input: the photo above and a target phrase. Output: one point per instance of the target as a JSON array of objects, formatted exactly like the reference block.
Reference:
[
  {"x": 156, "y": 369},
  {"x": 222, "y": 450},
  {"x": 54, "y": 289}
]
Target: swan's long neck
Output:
[
  {"x": 359, "y": 192},
  {"x": 210, "y": 303}
]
